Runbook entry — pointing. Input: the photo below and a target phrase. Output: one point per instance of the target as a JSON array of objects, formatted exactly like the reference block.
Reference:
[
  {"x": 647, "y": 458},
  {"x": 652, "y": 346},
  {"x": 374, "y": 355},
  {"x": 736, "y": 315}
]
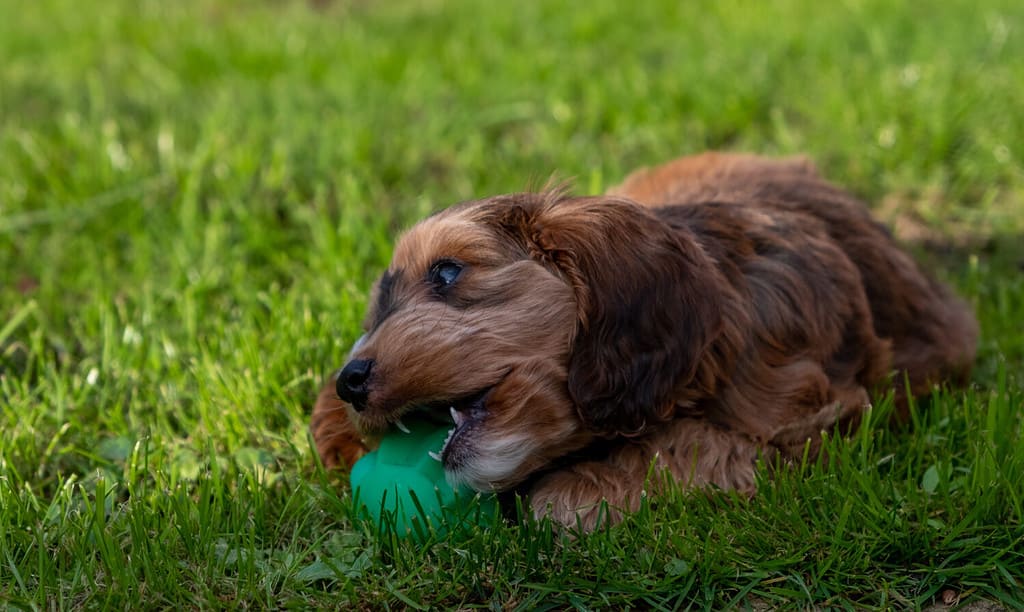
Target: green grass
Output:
[{"x": 195, "y": 197}]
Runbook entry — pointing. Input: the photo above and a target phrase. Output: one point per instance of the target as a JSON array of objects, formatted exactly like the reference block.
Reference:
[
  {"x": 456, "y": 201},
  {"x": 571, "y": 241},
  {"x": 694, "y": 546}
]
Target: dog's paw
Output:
[
  {"x": 337, "y": 442},
  {"x": 585, "y": 495}
]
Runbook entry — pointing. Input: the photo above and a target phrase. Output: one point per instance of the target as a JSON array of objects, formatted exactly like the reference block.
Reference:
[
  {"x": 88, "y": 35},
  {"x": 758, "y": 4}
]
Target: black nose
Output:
[{"x": 352, "y": 380}]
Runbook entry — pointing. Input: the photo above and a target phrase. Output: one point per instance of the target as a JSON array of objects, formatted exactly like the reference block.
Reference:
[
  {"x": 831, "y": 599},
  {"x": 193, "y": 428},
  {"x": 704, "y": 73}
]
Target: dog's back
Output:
[{"x": 933, "y": 333}]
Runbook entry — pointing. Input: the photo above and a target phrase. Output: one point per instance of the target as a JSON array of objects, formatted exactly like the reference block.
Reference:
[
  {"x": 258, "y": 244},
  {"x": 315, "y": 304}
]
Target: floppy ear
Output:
[{"x": 647, "y": 299}]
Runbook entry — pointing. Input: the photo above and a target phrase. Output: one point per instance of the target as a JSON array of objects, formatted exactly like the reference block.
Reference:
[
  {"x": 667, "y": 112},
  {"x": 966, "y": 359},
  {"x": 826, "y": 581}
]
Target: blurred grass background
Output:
[{"x": 195, "y": 197}]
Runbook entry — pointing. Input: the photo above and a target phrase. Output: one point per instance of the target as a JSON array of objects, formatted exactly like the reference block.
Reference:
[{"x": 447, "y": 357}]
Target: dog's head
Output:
[{"x": 538, "y": 322}]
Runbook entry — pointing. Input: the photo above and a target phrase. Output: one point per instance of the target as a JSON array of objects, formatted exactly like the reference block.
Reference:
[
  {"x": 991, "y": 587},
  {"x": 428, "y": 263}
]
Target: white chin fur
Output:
[{"x": 498, "y": 463}]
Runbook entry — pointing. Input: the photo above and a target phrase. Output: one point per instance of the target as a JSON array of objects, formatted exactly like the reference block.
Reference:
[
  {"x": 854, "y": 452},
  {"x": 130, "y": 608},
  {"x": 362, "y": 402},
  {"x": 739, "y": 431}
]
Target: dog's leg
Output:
[
  {"x": 804, "y": 437},
  {"x": 337, "y": 441},
  {"x": 693, "y": 451}
]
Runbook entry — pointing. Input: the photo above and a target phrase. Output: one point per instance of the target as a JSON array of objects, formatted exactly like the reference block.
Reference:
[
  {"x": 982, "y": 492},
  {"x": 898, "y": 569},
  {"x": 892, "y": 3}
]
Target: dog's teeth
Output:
[
  {"x": 448, "y": 439},
  {"x": 455, "y": 415},
  {"x": 399, "y": 424},
  {"x": 434, "y": 456}
]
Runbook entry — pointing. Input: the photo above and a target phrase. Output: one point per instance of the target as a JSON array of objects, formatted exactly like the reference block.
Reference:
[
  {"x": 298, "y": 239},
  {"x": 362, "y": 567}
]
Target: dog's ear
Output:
[{"x": 647, "y": 298}]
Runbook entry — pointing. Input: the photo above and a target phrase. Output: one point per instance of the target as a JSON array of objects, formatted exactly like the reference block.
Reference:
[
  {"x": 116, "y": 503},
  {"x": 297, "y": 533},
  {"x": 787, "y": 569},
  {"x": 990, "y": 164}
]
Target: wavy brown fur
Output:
[{"x": 704, "y": 313}]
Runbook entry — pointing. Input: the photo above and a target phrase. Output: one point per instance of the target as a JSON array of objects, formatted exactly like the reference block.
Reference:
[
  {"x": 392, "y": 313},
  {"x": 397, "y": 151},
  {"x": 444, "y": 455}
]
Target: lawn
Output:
[{"x": 196, "y": 196}]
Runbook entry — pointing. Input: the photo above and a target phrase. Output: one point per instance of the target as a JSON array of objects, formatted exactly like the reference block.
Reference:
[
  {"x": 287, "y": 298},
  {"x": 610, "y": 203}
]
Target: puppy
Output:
[{"x": 703, "y": 314}]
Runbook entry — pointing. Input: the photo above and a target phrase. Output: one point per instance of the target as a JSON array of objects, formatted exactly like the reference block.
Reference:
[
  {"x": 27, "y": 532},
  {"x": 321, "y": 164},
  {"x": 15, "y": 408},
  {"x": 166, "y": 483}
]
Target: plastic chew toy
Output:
[{"x": 402, "y": 482}]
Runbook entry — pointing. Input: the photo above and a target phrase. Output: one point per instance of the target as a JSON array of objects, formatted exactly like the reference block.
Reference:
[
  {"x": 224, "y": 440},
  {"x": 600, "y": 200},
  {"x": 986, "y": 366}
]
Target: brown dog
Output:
[{"x": 705, "y": 313}]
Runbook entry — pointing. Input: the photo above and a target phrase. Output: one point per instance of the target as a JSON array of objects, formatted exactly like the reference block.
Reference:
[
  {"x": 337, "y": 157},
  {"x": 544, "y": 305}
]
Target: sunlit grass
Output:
[{"x": 195, "y": 197}]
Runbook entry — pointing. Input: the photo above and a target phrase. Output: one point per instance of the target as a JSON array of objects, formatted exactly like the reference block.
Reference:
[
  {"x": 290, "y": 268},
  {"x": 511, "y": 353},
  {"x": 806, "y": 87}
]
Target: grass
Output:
[{"x": 195, "y": 197}]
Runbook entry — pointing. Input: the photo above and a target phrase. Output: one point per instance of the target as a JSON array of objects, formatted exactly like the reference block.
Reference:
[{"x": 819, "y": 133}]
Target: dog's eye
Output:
[{"x": 444, "y": 273}]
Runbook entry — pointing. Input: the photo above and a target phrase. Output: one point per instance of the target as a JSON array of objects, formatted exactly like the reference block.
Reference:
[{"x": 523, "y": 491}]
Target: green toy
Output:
[{"x": 406, "y": 465}]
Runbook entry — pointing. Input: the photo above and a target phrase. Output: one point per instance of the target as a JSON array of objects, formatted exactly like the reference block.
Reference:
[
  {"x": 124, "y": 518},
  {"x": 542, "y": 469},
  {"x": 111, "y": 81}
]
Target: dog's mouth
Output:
[{"x": 465, "y": 414}]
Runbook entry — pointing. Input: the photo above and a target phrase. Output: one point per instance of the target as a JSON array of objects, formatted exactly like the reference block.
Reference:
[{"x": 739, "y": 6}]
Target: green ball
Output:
[{"x": 402, "y": 483}]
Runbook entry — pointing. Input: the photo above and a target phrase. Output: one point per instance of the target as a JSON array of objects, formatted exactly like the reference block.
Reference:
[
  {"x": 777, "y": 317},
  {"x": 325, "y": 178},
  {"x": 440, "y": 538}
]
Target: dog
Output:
[{"x": 703, "y": 315}]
